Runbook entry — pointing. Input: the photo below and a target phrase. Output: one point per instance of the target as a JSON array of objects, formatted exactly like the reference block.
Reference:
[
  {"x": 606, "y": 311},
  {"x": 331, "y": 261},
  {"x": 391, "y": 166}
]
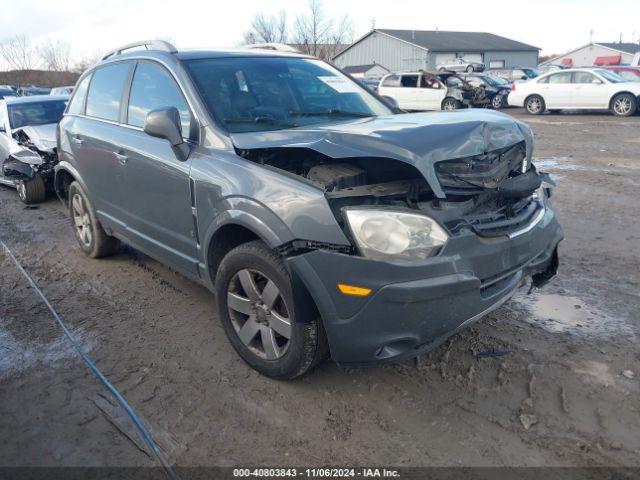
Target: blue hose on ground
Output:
[{"x": 123, "y": 403}]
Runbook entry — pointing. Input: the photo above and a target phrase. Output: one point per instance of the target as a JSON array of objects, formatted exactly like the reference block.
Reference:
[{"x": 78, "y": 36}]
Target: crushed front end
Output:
[
  {"x": 33, "y": 151},
  {"x": 485, "y": 201}
]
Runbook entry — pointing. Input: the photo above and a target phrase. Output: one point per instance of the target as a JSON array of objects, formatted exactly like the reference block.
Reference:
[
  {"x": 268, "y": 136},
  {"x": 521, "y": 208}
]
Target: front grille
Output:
[{"x": 487, "y": 171}]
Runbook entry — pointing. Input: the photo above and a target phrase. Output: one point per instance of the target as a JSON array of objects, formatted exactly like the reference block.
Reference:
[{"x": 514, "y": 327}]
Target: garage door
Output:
[
  {"x": 445, "y": 58},
  {"x": 473, "y": 57},
  {"x": 496, "y": 64}
]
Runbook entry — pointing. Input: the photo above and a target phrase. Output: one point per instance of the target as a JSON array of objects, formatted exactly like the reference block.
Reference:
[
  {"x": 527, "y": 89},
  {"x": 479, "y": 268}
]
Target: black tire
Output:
[
  {"x": 32, "y": 191},
  {"x": 624, "y": 105},
  {"x": 92, "y": 238},
  {"x": 555, "y": 111},
  {"x": 497, "y": 102},
  {"x": 450, "y": 104},
  {"x": 534, "y": 105},
  {"x": 470, "y": 69},
  {"x": 291, "y": 357}
]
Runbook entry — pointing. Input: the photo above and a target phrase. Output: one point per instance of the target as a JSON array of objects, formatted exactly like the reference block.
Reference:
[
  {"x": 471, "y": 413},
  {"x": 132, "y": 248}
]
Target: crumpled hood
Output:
[
  {"x": 419, "y": 139},
  {"x": 43, "y": 137}
]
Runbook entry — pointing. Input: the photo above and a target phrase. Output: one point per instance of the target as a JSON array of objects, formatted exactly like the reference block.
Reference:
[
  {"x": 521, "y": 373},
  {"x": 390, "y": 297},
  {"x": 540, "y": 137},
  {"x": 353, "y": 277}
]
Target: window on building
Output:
[{"x": 105, "y": 91}]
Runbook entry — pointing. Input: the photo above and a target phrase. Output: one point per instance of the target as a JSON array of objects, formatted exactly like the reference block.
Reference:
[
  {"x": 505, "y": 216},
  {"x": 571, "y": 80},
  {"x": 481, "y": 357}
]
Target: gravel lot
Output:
[{"x": 557, "y": 397}]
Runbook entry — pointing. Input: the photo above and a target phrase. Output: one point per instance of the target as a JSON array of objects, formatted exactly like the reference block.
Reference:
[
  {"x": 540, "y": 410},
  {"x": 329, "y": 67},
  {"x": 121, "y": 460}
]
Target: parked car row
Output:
[
  {"x": 444, "y": 90},
  {"x": 29, "y": 90}
]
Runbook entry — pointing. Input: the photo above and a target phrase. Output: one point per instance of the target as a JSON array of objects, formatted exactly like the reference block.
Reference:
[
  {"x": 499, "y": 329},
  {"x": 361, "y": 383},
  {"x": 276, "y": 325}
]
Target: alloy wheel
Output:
[
  {"x": 259, "y": 314},
  {"x": 449, "y": 106},
  {"x": 534, "y": 105},
  {"x": 22, "y": 191},
  {"x": 622, "y": 105},
  {"x": 81, "y": 220},
  {"x": 496, "y": 102}
]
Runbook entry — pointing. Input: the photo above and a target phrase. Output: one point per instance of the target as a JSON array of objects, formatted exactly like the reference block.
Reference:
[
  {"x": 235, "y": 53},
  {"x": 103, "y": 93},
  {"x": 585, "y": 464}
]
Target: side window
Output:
[
  {"x": 79, "y": 94},
  {"x": 427, "y": 81},
  {"x": 564, "y": 77},
  {"x": 391, "y": 81},
  {"x": 584, "y": 77},
  {"x": 409, "y": 81},
  {"x": 105, "y": 91},
  {"x": 153, "y": 87}
]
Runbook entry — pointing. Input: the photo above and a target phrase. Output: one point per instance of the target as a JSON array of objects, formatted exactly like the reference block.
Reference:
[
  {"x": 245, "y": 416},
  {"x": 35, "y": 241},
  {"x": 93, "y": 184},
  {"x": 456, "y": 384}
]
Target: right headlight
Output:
[{"x": 389, "y": 235}]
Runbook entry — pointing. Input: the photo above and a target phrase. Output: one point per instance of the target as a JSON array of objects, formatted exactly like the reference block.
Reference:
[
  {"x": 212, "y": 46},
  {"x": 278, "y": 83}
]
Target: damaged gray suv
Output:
[{"x": 325, "y": 221}]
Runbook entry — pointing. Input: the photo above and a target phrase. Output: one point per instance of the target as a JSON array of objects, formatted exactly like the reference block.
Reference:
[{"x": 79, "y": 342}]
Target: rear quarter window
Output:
[
  {"x": 76, "y": 104},
  {"x": 105, "y": 91},
  {"x": 391, "y": 81}
]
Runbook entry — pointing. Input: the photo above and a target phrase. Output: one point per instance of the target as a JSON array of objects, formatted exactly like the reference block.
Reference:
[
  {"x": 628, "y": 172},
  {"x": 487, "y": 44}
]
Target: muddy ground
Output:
[{"x": 558, "y": 395}]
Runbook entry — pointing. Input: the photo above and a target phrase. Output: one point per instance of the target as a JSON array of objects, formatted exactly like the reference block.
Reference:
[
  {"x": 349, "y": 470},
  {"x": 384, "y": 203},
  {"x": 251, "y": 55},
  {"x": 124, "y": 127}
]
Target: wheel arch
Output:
[
  {"x": 65, "y": 174},
  {"x": 617, "y": 94}
]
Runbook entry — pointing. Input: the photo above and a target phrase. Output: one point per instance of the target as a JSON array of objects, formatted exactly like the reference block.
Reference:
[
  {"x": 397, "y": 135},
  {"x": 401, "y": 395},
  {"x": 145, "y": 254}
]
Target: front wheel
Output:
[
  {"x": 32, "y": 191},
  {"x": 624, "y": 105},
  {"x": 534, "y": 105},
  {"x": 497, "y": 102},
  {"x": 450, "y": 104},
  {"x": 256, "y": 306}
]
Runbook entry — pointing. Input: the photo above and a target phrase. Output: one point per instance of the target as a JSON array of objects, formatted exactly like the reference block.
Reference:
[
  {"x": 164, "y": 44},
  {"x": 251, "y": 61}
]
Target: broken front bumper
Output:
[{"x": 415, "y": 307}]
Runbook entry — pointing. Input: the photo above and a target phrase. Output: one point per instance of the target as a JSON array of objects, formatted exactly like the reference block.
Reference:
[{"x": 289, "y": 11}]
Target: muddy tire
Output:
[
  {"x": 92, "y": 238},
  {"x": 32, "y": 191},
  {"x": 534, "y": 105},
  {"x": 256, "y": 307},
  {"x": 624, "y": 105},
  {"x": 450, "y": 104}
]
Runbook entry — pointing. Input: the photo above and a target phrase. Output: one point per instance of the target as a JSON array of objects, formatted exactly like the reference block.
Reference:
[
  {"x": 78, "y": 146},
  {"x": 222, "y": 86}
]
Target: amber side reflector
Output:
[{"x": 353, "y": 290}]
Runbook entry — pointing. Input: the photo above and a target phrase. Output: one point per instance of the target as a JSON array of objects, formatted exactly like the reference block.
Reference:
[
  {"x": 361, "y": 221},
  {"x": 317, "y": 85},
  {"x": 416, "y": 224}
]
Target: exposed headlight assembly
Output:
[{"x": 390, "y": 235}]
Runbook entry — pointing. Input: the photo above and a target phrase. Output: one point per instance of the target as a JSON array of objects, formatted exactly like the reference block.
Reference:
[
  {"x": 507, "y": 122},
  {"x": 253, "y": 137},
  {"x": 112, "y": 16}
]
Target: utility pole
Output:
[
  {"x": 590, "y": 36},
  {"x": 373, "y": 24}
]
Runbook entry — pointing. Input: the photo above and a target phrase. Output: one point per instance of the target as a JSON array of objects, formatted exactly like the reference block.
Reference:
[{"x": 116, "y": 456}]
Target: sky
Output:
[{"x": 93, "y": 26}]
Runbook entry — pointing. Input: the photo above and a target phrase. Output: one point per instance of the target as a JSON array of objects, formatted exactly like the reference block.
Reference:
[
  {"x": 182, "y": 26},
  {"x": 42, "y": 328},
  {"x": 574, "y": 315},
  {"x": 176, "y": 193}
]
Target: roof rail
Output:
[
  {"x": 149, "y": 44},
  {"x": 280, "y": 47}
]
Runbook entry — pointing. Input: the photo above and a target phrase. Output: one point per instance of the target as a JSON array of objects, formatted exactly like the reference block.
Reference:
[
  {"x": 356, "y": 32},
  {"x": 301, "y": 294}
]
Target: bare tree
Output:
[
  {"x": 272, "y": 29},
  {"x": 317, "y": 35},
  {"x": 56, "y": 55},
  {"x": 18, "y": 53}
]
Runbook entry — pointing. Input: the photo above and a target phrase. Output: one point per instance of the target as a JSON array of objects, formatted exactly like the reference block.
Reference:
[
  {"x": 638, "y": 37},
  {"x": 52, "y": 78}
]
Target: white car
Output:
[
  {"x": 419, "y": 91},
  {"x": 578, "y": 88},
  {"x": 461, "y": 65}
]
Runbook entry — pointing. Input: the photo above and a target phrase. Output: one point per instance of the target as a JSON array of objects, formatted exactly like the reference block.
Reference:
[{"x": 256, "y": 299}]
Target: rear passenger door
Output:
[
  {"x": 159, "y": 214},
  {"x": 408, "y": 96},
  {"x": 557, "y": 90},
  {"x": 94, "y": 139},
  {"x": 431, "y": 93}
]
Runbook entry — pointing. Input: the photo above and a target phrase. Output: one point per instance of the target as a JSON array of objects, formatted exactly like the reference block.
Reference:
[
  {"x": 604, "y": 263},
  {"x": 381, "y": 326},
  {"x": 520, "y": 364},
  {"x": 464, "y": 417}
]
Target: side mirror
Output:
[
  {"x": 391, "y": 102},
  {"x": 165, "y": 123}
]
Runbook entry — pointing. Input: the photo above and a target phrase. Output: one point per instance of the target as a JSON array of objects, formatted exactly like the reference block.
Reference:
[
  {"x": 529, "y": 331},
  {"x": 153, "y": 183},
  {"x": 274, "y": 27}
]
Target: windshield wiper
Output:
[
  {"x": 331, "y": 111},
  {"x": 267, "y": 120}
]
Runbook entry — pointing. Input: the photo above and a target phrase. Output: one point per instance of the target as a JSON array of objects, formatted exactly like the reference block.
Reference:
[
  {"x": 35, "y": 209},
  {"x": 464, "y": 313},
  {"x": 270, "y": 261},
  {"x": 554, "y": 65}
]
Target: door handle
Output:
[
  {"x": 77, "y": 140},
  {"x": 121, "y": 158}
]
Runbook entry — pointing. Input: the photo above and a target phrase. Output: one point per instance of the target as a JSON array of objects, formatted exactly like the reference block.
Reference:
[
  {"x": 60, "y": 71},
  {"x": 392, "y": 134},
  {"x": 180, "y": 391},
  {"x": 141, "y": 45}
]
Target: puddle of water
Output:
[
  {"x": 560, "y": 313},
  {"x": 555, "y": 163},
  {"x": 17, "y": 356}
]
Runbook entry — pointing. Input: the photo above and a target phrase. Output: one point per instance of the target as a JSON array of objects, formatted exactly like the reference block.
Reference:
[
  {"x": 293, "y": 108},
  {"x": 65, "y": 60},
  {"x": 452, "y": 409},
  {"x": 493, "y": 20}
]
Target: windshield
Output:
[
  {"x": 611, "y": 76},
  {"x": 35, "y": 113},
  {"x": 495, "y": 81},
  {"x": 271, "y": 93}
]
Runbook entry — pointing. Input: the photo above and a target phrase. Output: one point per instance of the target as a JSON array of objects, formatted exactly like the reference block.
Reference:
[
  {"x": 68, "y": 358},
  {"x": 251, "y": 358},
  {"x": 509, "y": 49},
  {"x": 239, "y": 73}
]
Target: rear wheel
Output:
[
  {"x": 450, "y": 104},
  {"x": 256, "y": 306},
  {"x": 470, "y": 69},
  {"x": 624, "y": 105},
  {"x": 32, "y": 191},
  {"x": 535, "y": 105},
  {"x": 92, "y": 238}
]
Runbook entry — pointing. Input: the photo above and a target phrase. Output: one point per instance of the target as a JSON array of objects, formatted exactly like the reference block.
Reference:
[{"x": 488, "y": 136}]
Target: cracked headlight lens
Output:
[{"x": 389, "y": 235}]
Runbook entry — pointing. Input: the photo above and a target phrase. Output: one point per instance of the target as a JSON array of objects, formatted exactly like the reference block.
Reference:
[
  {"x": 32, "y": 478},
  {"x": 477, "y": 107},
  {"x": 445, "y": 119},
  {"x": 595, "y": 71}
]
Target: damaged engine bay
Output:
[
  {"x": 35, "y": 155},
  {"x": 492, "y": 193}
]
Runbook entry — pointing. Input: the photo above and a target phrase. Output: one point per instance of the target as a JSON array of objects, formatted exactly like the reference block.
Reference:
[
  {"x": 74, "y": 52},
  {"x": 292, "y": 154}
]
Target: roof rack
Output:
[
  {"x": 148, "y": 44},
  {"x": 279, "y": 47}
]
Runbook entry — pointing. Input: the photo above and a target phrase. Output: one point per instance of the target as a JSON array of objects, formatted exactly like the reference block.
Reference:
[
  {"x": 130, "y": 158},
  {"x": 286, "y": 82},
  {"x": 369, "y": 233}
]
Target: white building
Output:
[{"x": 598, "y": 54}]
